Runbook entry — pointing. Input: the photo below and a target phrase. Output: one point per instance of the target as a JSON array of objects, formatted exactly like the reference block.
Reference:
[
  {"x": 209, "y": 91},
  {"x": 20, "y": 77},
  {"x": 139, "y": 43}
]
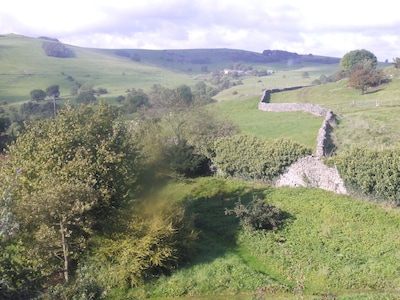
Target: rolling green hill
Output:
[{"x": 24, "y": 66}]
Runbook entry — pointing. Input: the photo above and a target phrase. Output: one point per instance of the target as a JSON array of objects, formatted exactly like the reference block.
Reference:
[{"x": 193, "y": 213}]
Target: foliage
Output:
[
  {"x": 86, "y": 94},
  {"x": 257, "y": 215},
  {"x": 37, "y": 95},
  {"x": 156, "y": 238},
  {"x": 354, "y": 58},
  {"x": 184, "y": 160},
  {"x": 249, "y": 157},
  {"x": 74, "y": 169},
  {"x": 53, "y": 91},
  {"x": 361, "y": 79},
  {"x": 32, "y": 111},
  {"x": 177, "y": 132},
  {"x": 134, "y": 100},
  {"x": 373, "y": 172},
  {"x": 396, "y": 63},
  {"x": 57, "y": 49}
]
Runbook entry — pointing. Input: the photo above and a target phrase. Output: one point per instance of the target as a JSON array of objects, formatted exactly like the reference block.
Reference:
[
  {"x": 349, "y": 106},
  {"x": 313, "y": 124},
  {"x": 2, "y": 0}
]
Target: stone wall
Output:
[
  {"x": 323, "y": 137},
  {"x": 309, "y": 171},
  {"x": 266, "y": 97}
]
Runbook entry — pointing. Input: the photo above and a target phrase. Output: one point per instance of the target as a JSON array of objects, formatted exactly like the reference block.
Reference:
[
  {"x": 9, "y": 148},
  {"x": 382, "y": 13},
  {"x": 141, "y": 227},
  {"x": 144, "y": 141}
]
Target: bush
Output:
[
  {"x": 157, "y": 236},
  {"x": 373, "y": 172},
  {"x": 184, "y": 160},
  {"x": 249, "y": 157},
  {"x": 258, "y": 215}
]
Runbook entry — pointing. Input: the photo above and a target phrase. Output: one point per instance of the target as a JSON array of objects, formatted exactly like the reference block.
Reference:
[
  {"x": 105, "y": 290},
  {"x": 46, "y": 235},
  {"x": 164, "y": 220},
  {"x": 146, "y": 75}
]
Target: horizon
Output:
[{"x": 300, "y": 27}]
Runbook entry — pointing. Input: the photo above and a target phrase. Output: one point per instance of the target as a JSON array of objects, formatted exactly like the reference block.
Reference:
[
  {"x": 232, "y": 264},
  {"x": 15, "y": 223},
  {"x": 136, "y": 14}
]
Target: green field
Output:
[
  {"x": 24, "y": 67},
  {"x": 330, "y": 245}
]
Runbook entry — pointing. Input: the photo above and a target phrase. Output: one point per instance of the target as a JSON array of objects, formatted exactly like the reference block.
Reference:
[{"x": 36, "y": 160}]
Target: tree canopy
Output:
[
  {"x": 72, "y": 172},
  {"x": 358, "y": 59}
]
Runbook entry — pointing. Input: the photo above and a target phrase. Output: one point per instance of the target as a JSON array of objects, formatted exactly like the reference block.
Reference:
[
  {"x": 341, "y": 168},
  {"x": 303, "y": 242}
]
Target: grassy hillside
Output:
[
  {"x": 330, "y": 245},
  {"x": 24, "y": 66}
]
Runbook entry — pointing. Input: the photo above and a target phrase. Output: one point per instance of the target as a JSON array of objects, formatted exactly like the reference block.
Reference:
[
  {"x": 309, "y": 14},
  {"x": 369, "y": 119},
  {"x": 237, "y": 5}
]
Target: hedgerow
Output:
[
  {"x": 249, "y": 157},
  {"x": 374, "y": 172}
]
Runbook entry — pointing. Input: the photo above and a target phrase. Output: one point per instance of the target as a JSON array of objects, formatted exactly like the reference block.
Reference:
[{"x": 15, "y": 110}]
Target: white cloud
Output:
[{"x": 306, "y": 26}]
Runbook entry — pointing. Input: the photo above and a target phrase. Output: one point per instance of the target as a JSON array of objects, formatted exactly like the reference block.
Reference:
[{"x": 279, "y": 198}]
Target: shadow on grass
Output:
[
  {"x": 217, "y": 230},
  {"x": 374, "y": 91}
]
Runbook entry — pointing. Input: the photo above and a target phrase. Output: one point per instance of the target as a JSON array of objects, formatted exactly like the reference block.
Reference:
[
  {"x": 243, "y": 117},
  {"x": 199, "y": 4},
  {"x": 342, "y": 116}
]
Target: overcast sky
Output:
[{"x": 330, "y": 28}]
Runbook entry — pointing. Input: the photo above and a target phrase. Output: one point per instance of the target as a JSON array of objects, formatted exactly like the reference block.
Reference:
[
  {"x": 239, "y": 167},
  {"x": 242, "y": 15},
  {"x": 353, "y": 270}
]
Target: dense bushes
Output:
[
  {"x": 373, "y": 172},
  {"x": 249, "y": 157}
]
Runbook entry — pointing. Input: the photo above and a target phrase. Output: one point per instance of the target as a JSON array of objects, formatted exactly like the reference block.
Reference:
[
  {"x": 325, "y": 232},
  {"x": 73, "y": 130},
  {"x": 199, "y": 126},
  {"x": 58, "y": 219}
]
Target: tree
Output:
[
  {"x": 75, "y": 170},
  {"x": 57, "y": 49},
  {"x": 358, "y": 59},
  {"x": 86, "y": 94},
  {"x": 37, "y": 95},
  {"x": 53, "y": 91},
  {"x": 396, "y": 63},
  {"x": 363, "y": 78},
  {"x": 134, "y": 100}
]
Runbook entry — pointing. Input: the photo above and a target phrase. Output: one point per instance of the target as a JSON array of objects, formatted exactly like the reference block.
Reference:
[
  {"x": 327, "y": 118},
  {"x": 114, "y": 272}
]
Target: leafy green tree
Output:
[
  {"x": 355, "y": 58},
  {"x": 134, "y": 100},
  {"x": 75, "y": 170},
  {"x": 37, "y": 95},
  {"x": 86, "y": 94},
  {"x": 53, "y": 91}
]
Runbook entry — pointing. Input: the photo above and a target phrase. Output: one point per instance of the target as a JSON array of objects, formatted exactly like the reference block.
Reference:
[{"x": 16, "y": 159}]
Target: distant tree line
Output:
[
  {"x": 57, "y": 49},
  {"x": 128, "y": 54}
]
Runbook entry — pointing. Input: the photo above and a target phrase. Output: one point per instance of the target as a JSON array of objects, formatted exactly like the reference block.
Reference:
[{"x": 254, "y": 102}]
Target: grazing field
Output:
[
  {"x": 24, "y": 67},
  {"x": 298, "y": 126}
]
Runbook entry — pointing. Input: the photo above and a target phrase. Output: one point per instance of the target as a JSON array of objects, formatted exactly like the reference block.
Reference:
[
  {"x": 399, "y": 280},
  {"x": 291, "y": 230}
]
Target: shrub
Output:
[
  {"x": 258, "y": 215},
  {"x": 249, "y": 157},
  {"x": 157, "y": 236}
]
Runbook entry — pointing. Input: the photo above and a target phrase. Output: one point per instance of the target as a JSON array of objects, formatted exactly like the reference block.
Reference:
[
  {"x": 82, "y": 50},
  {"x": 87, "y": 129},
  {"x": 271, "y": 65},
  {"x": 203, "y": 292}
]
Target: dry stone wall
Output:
[{"x": 309, "y": 171}]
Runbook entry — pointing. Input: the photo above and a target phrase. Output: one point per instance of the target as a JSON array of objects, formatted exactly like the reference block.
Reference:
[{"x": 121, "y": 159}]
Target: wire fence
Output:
[{"x": 354, "y": 105}]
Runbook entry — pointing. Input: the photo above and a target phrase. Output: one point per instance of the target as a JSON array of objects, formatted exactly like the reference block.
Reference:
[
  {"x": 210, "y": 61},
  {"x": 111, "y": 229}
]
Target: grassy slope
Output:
[
  {"x": 241, "y": 107},
  {"x": 361, "y": 121},
  {"x": 330, "y": 244},
  {"x": 24, "y": 67}
]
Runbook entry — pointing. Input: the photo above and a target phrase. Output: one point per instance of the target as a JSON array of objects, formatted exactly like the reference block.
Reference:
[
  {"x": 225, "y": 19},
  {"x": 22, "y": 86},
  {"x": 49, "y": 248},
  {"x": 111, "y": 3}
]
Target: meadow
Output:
[{"x": 330, "y": 246}]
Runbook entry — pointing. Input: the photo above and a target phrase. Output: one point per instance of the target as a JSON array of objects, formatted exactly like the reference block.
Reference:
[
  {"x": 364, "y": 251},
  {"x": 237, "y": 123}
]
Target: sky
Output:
[{"x": 330, "y": 28}]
